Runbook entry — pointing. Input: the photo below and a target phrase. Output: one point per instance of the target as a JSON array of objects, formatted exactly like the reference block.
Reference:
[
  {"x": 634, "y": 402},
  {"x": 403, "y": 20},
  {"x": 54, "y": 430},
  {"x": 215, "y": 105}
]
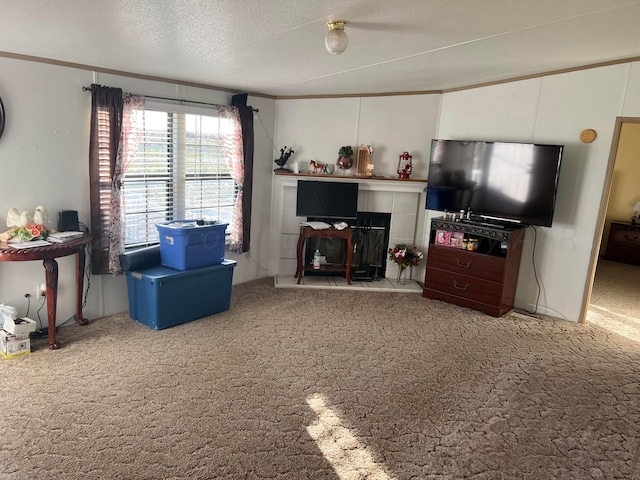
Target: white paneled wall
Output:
[
  {"x": 552, "y": 109},
  {"x": 45, "y": 145},
  {"x": 316, "y": 128}
]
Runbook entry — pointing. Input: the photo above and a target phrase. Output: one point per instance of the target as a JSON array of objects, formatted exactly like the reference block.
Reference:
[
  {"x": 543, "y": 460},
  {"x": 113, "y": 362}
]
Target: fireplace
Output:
[
  {"x": 401, "y": 199},
  {"x": 370, "y": 238}
]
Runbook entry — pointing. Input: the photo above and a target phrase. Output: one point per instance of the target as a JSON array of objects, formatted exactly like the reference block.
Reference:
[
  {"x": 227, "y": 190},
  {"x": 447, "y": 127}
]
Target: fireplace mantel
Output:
[
  {"x": 404, "y": 199},
  {"x": 381, "y": 184}
]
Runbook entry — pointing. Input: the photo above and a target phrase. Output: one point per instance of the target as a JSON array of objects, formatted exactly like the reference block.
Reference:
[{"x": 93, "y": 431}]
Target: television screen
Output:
[
  {"x": 511, "y": 182},
  {"x": 327, "y": 199}
]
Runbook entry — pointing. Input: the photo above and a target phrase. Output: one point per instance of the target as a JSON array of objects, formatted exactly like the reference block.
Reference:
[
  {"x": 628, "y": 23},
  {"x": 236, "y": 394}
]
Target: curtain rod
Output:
[{"x": 89, "y": 89}]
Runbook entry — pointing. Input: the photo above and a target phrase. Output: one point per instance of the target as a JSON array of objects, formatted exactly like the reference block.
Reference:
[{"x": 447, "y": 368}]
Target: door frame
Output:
[{"x": 602, "y": 215}]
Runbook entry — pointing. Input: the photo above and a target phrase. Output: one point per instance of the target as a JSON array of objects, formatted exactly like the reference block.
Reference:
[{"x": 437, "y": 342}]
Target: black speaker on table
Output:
[{"x": 68, "y": 221}]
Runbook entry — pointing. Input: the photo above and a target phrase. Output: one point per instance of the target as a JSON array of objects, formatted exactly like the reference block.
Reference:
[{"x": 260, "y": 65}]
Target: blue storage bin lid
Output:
[
  {"x": 185, "y": 226},
  {"x": 160, "y": 272}
]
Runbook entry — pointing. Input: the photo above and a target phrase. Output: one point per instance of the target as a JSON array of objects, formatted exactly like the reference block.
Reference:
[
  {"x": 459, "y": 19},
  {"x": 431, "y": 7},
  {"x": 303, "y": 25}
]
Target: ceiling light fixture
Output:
[{"x": 336, "y": 40}]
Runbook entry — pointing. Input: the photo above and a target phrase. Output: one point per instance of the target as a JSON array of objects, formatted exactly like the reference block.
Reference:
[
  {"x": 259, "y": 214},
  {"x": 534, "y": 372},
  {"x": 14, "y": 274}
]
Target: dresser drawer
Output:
[
  {"x": 626, "y": 237},
  {"x": 623, "y": 249},
  {"x": 463, "y": 262},
  {"x": 463, "y": 286},
  {"x": 623, "y": 244}
]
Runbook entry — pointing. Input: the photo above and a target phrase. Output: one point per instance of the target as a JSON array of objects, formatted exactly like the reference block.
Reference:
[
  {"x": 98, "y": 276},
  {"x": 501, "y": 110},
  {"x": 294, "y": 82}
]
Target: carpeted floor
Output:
[
  {"x": 314, "y": 384},
  {"x": 615, "y": 299}
]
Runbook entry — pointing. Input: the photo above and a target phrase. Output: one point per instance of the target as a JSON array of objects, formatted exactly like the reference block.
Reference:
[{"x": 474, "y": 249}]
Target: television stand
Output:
[
  {"x": 483, "y": 278},
  {"x": 481, "y": 223},
  {"x": 494, "y": 222}
]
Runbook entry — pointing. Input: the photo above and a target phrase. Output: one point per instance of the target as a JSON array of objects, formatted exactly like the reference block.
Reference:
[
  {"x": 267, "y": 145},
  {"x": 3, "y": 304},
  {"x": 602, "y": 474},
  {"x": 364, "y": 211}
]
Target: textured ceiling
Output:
[{"x": 277, "y": 47}]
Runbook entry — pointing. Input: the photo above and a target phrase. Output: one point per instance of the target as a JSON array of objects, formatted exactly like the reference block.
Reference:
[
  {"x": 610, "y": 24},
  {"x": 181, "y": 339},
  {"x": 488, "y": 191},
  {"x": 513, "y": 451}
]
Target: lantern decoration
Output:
[{"x": 404, "y": 165}]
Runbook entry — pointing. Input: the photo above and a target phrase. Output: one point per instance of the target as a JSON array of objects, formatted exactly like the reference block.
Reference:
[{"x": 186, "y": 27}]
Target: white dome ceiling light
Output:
[{"x": 336, "y": 40}]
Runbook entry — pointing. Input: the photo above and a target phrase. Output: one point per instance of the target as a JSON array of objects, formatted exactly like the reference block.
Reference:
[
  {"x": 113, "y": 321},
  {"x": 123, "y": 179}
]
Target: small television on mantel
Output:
[
  {"x": 502, "y": 182},
  {"x": 328, "y": 200}
]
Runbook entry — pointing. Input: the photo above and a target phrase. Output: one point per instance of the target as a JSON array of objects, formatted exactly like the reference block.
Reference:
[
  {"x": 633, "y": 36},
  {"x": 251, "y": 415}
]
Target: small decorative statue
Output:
[
  {"x": 284, "y": 156},
  {"x": 26, "y": 226},
  {"x": 17, "y": 219},
  {"x": 13, "y": 218},
  {"x": 41, "y": 215},
  {"x": 318, "y": 167}
]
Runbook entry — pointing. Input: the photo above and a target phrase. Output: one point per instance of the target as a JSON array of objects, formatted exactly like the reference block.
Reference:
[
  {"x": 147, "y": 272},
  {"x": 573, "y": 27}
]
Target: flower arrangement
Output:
[
  {"x": 405, "y": 256},
  {"x": 25, "y": 226},
  {"x": 30, "y": 232},
  {"x": 345, "y": 158}
]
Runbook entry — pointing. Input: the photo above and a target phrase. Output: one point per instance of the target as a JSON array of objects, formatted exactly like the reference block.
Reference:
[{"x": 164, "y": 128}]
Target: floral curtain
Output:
[
  {"x": 231, "y": 132},
  {"x": 132, "y": 130}
]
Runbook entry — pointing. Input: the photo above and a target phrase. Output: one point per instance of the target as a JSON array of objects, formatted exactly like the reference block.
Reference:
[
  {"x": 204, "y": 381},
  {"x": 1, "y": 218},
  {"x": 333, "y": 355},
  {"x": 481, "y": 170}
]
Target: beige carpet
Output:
[
  {"x": 293, "y": 384},
  {"x": 615, "y": 299}
]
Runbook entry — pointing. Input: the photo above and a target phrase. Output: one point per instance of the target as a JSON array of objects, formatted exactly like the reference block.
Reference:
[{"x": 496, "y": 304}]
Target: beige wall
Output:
[{"x": 625, "y": 187}]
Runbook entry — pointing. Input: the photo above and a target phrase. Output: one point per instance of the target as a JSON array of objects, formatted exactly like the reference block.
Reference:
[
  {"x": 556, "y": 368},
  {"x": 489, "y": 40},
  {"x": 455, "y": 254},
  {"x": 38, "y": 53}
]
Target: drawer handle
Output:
[
  {"x": 462, "y": 264},
  {"x": 455, "y": 284},
  {"x": 631, "y": 239}
]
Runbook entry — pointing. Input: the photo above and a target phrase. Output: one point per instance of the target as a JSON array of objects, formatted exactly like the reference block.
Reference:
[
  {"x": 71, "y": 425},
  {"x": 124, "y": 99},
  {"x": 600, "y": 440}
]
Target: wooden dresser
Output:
[
  {"x": 623, "y": 243},
  {"x": 483, "y": 279}
]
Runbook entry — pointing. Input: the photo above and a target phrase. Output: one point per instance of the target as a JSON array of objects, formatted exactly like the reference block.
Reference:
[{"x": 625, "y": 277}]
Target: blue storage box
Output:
[
  {"x": 185, "y": 245},
  {"x": 162, "y": 297}
]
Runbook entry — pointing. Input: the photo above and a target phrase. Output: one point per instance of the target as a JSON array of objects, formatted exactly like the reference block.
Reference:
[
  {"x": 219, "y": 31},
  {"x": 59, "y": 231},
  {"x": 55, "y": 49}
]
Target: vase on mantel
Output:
[{"x": 344, "y": 164}]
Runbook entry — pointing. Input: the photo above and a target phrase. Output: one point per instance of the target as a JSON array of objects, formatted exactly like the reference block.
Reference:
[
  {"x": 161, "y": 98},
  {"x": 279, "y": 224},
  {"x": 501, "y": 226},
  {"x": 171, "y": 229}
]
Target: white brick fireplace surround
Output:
[{"x": 403, "y": 199}]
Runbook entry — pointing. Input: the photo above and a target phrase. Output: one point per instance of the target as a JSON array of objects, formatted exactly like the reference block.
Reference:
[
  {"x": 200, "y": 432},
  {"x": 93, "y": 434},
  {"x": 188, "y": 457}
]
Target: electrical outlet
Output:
[{"x": 41, "y": 291}]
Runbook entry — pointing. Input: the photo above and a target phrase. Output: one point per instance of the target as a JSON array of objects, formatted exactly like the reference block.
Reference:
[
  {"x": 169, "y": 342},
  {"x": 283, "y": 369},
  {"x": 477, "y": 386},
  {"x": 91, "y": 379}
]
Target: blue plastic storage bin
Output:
[
  {"x": 162, "y": 297},
  {"x": 185, "y": 245}
]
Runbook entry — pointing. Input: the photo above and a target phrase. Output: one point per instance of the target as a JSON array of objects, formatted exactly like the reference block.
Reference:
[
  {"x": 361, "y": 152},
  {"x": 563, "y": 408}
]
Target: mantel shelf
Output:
[
  {"x": 380, "y": 184},
  {"x": 289, "y": 173}
]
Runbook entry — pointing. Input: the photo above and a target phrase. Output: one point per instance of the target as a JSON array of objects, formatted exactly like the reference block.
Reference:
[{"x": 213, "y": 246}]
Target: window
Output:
[{"x": 179, "y": 172}]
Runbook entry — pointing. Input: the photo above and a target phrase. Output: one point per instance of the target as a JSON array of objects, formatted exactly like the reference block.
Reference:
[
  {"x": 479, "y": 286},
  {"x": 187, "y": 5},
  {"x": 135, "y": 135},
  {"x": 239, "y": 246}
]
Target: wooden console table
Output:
[
  {"x": 308, "y": 232},
  {"x": 48, "y": 255}
]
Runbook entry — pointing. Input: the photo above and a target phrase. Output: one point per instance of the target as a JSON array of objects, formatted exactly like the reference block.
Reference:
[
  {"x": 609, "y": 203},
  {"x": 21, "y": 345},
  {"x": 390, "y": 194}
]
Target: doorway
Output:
[{"x": 610, "y": 293}]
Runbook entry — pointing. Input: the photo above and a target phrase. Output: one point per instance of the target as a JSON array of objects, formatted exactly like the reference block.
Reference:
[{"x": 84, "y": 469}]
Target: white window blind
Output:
[{"x": 178, "y": 173}]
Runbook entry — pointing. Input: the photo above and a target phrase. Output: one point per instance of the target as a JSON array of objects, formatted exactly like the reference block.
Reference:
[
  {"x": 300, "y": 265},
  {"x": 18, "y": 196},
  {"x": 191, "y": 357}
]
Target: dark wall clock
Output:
[{"x": 1, "y": 117}]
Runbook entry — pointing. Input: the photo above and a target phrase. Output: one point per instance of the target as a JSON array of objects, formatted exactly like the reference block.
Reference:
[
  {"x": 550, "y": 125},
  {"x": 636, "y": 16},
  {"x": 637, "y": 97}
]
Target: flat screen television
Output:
[
  {"x": 501, "y": 182},
  {"x": 329, "y": 200}
]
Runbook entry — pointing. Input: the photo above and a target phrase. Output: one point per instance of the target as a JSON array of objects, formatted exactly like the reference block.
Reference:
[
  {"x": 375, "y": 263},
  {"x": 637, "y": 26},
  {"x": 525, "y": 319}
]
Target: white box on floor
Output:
[
  {"x": 19, "y": 326},
  {"x": 14, "y": 345}
]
